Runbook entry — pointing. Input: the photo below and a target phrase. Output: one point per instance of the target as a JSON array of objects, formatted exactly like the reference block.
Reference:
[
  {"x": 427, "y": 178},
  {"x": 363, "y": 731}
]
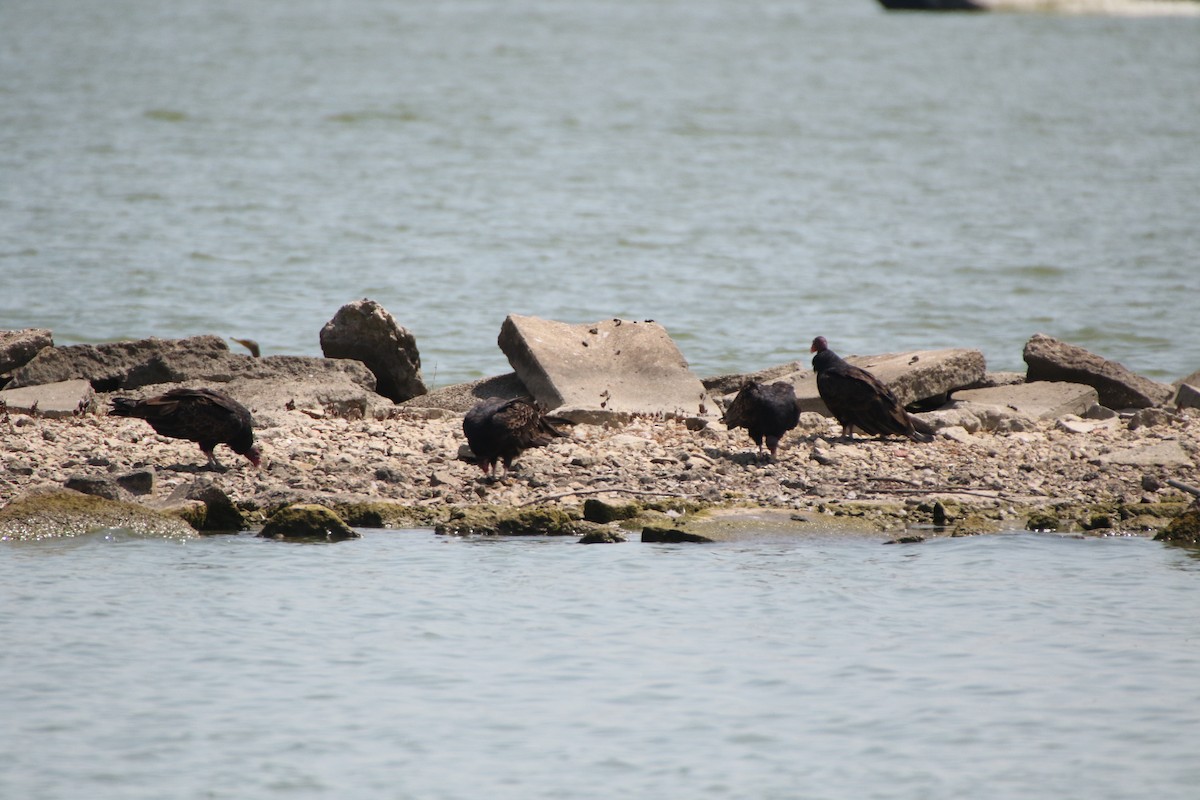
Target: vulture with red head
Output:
[
  {"x": 857, "y": 399},
  {"x": 204, "y": 416}
]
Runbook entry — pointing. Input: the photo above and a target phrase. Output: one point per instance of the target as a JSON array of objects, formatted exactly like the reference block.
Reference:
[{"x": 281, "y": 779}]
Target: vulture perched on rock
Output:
[
  {"x": 204, "y": 416},
  {"x": 500, "y": 430},
  {"x": 766, "y": 410},
  {"x": 856, "y": 398}
]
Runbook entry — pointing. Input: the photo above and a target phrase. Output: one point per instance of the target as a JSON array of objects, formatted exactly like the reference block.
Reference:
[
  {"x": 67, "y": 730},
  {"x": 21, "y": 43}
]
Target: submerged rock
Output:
[
  {"x": 1184, "y": 529},
  {"x": 498, "y": 520},
  {"x": 308, "y": 521}
]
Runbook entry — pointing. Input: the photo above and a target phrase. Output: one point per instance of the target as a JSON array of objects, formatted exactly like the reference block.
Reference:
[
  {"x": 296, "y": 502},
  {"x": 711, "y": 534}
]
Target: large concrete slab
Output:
[
  {"x": 1041, "y": 400},
  {"x": 612, "y": 368},
  {"x": 914, "y": 376},
  {"x": 54, "y": 400}
]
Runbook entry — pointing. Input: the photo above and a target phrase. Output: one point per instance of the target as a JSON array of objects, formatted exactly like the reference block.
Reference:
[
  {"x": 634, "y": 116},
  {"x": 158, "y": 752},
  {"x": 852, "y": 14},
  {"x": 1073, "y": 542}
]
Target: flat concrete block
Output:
[
  {"x": 1041, "y": 400},
  {"x": 913, "y": 376},
  {"x": 1160, "y": 454},
  {"x": 603, "y": 369},
  {"x": 54, "y": 400}
]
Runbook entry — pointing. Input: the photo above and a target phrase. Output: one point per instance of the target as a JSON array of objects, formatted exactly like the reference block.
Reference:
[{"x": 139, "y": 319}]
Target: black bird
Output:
[
  {"x": 856, "y": 398},
  {"x": 500, "y": 430},
  {"x": 766, "y": 410},
  {"x": 204, "y": 416}
]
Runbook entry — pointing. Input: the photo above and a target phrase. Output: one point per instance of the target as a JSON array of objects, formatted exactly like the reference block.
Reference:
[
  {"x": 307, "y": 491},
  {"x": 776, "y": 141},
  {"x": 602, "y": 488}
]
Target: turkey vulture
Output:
[
  {"x": 766, "y": 410},
  {"x": 204, "y": 416},
  {"x": 859, "y": 399},
  {"x": 500, "y": 430}
]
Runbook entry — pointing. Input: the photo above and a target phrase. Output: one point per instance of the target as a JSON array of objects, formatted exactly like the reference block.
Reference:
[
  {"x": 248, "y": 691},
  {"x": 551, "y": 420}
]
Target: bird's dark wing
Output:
[
  {"x": 856, "y": 397},
  {"x": 741, "y": 412},
  {"x": 779, "y": 411}
]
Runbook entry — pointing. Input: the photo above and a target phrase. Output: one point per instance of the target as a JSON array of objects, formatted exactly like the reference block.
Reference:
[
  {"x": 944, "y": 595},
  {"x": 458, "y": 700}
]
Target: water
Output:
[
  {"x": 407, "y": 665},
  {"x": 748, "y": 173}
]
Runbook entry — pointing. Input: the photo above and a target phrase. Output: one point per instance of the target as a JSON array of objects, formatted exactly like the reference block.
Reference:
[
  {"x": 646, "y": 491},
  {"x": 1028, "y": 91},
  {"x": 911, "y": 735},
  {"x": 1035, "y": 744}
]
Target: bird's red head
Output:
[
  {"x": 254, "y": 455},
  {"x": 819, "y": 345}
]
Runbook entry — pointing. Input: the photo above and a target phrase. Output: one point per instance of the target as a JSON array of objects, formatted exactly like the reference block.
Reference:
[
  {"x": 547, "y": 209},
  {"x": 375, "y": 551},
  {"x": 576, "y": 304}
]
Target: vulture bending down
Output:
[
  {"x": 204, "y": 416},
  {"x": 766, "y": 410},
  {"x": 500, "y": 430},
  {"x": 856, "y": 398}
]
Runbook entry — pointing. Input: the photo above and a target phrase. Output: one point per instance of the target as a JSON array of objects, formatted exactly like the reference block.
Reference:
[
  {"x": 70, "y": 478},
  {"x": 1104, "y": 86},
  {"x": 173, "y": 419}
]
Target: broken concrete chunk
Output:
[
  {"x": 1188, "y": 396},
  {"x": 1050, "y": 359},
  {"x": 616, "y": 367},
  {"x": 1041, "y": 400},
  {"x": 17, "y": 348},
  {"x": 52, "y": 400}
]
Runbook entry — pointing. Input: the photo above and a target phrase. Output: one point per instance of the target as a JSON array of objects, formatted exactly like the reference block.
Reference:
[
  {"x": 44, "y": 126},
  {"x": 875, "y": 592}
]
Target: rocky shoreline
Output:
[{"x": 673, "y": 477}]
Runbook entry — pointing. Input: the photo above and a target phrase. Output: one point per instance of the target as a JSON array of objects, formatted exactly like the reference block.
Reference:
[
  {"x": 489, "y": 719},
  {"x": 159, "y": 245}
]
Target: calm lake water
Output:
[
  {"x": 408, "y": 665},
  {"x": 747, "y": 172}
]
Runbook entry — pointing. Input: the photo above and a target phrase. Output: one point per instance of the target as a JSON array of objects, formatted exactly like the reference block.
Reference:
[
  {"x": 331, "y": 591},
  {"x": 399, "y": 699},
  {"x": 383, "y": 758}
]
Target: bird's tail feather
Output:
[
  {"x": 124, "y": 407},
  {"x": 922, "y": 430}
]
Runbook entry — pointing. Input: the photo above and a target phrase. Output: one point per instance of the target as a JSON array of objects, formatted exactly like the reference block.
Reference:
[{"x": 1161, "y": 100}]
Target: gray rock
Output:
[
  {"x": 96, "y": 486},
  {"x": 216, "y": 511},
  {"x": 52, "y": 400},
  {"x": 1151, "y": 417},
  {"x": 277, "y": 385},
  {"x": 138, "y": 482},
  {"x": 919, "y": 376},
  {"x": 365, "y": 331},
  {"x": 1042, "y": 400},
  {"x": 1050, "y": 359},
  {"x": 955, "y": 417},
  {"x": 991, "y": 380},
  {"x": 461, "y": 396},
  {"x": 127, "y": 365},
  {"x": 1188, "y": 396},
  {"x": 1159, "y": 454},
  {"x": 722, "y": 385},
  {"x": 611, "y": 369},
  {"x": 17, "y": 348}
]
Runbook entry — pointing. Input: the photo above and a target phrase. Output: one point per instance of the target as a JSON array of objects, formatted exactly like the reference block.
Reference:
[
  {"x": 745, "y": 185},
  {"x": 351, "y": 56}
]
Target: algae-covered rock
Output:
[
  {"x": 596, "y": 510},
  {"x": 605, "y": 536},
  {"x": 1043, "y": 521},
  {"x": 60, "y": 513},
  {"x": 379, "y": 514},
  {"x": 974, "y": 525},
  {"x": 1184, "y": 529},
  {"x": 308, "y": 521},
  {"x": 205, "y": 506},
  {"x": 652, "y": 533},
  {"x": 493, "y": 520}
]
